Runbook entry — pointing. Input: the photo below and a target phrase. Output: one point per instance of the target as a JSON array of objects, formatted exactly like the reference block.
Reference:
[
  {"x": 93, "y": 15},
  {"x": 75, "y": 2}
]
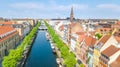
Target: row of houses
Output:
[
  {"x": 82, "y": 40},
  {"x": 12, "y": 33}
]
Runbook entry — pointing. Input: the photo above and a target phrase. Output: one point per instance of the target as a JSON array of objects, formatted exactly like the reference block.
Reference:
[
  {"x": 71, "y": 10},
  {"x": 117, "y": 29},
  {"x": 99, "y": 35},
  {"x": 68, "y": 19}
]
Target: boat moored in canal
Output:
[
  {"x": 47, "y": 36},
  {"x": 53, "y": 47}
]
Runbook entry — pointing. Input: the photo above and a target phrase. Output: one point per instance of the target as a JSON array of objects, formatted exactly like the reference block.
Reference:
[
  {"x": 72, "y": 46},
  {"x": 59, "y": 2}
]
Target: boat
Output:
[
  {"x": 53, "y": 48},
  {"x": 58, "y": 61},
  {"x": 47, "y": 36}
]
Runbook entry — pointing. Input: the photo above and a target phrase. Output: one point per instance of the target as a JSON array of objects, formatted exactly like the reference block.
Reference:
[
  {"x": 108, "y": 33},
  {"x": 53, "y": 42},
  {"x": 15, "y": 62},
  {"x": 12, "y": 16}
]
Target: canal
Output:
[{"x": 41, "y": 53}]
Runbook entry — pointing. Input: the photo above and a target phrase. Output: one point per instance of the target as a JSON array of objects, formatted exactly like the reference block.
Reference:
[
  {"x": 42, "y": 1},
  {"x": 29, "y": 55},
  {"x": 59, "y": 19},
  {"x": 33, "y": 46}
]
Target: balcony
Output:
[{"x": 104, "y": 59}]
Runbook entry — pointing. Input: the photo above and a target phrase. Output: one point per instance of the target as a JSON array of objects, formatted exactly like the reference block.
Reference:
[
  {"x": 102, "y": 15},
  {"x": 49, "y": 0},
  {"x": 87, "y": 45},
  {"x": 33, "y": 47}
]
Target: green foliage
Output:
[
  {"x": 64, "y": 52},
  {"x": 98, "y": 35},
  {"x": 16, "y": 54},
  {"x": 81, "y": 65},
  {"x": 69, "y": 57},
  {"x": 88, "y": 60}
]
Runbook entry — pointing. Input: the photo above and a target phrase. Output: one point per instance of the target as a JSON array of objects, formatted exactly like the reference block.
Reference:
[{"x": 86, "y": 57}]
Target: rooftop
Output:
[
  {"x": 110, "y": 51},
  {"x": 90, "y": 41},
  {"x": 103, "y": 40},
  {"x": 117, "y": 38},
  {"x": 116, "y": 63},
  {"x": 5, "y": 29}
]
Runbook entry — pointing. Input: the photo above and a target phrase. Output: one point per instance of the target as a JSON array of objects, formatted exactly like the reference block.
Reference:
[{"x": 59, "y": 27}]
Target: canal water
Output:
[{"x": 41, "y": 53}]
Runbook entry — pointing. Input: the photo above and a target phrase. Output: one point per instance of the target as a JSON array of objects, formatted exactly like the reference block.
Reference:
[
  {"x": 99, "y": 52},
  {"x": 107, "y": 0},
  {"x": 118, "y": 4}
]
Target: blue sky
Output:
[{"x": 59, "y": 8}]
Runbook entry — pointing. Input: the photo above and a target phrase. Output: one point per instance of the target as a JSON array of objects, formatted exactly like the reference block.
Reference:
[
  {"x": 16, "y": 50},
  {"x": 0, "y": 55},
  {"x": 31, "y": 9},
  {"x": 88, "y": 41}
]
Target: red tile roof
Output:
[
  {"x": 117, "y": 38},
  {"x": 8, "y": 23},
  {"x": 110, "y": 51},
  {"x": 61, "y": 27},
  {"x": 4, "y": 38},
  {"x": 90, "y": 40},
  {"x": 104, "y": 39},
  {"x": 81, "y": 36},
  {"x": 116, "y": 63},
  {"x": 80, "y": 33},
  {"x": 5, "y": 29}
]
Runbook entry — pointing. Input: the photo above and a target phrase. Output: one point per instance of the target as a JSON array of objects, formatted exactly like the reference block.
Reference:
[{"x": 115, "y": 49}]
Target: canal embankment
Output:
[
  {"x": 41, "y": 54},
  {"x": 68, "y": 56},
  {"x": 15, "y": 55}
]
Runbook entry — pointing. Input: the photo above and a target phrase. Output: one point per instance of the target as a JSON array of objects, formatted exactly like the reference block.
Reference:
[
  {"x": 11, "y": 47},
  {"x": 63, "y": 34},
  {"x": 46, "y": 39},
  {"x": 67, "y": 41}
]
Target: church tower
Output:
[{"x": 71, "y": 15}]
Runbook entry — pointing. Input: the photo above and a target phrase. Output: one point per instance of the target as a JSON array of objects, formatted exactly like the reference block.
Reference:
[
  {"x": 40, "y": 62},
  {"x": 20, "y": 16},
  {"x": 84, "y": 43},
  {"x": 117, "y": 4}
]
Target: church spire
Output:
[{"x": 71, "y": 15}]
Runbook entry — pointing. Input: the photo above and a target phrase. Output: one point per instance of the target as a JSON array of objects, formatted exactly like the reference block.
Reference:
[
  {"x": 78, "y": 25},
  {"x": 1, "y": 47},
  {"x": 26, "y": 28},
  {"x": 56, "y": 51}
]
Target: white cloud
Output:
[
  {"x": 51, "y": 6},
  {"x": 75, "y": 6},
  {"x": 26, "y": 5},
  {"x": 113, "y": 7},
  {"x": 51, "y": 9}
]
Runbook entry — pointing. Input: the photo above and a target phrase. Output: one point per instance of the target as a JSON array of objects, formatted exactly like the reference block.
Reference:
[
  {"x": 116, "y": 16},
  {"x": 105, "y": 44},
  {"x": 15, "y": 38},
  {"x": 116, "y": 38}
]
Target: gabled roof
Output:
[
  {"x": 116, "y": 63},
  {"x": 89, "y": 40},
  {"x": 117, "y": 38},
  {"x": 5, "y": 29},
  {"x": 103, "y": 40},
  {"x": 111, "y": 50},
  {"x": 8, "y": 23}
]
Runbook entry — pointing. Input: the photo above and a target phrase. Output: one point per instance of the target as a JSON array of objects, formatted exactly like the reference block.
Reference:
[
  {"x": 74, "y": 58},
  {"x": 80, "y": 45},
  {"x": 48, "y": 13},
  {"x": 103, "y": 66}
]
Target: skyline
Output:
[{"x": 83, "y": 9}]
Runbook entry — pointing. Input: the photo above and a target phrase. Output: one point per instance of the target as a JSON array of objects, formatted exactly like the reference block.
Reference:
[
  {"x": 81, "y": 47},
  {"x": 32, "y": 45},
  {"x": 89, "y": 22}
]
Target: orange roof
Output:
[
  {"x": 116, "y": 63},
  {"x": 4, "y": 38},
  {"x": 117, "y": 38},
  {"x": 81, "y": 36},
  {"x": 5, "y": 29},
  {"x": 61, "y": 27},
  {"x": 105, "y": 29},
  {"x": 103, "y": 39},
  {"x": 110, "y": 51},
  {"x": 90, "y": 40},
  {"x": 8, "y": 23},
  {"x": 80, "y": 33}
]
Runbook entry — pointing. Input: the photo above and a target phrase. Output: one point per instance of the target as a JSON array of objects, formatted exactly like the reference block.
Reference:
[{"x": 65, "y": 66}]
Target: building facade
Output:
[{"x": 9, "y": 38}]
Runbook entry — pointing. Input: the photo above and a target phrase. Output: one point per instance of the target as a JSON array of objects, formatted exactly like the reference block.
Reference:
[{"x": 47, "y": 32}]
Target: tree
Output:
[
  {"x": 81, "y": 65},
  {"x": 98, "y": 36},
  {"x": 69, "y": 57},
  {"x": 16, "y": 54}
]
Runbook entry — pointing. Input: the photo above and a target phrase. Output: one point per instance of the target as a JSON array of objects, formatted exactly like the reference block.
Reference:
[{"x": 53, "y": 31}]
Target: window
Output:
[
  {"x": 105, "y": 30},
  {"x": 101, "y": 30}
]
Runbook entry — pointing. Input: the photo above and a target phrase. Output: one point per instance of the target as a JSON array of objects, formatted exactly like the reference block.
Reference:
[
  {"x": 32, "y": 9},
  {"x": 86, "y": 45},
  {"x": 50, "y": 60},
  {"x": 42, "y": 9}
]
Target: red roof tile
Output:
[
  {"x": 103, "y": 39},
  {"x": 117, "y": 38},
  {"x": 110, "y": 51},
  {"x": 5, "y": 29},
  {"x": 4, "y": 38},
  {"x": 8, "y": 23},
  {"x": 90, "y": 40},
  {"x": 61, "y": 27},
  {"x": 116, "y": 63}
]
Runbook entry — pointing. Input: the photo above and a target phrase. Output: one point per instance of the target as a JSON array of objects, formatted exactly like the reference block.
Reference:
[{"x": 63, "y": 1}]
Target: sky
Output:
[{"x": 83, "y": 9}]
